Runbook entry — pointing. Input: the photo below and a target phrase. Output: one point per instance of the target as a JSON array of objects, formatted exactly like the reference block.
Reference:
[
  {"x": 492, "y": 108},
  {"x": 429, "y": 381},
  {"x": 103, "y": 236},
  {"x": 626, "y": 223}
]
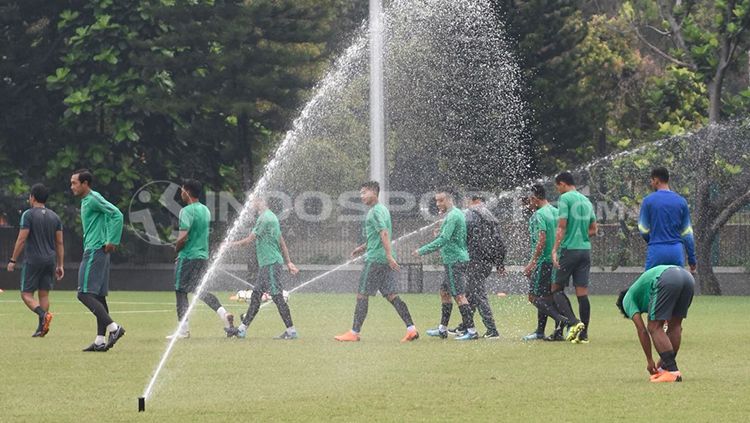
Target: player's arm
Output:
[
  {"x": 285, "y": 252},
  {"x": 645, "y": 338},
  {"x": 536, "y": 254},
  {"x": 446, "y": 231},
  {"x": 593, "y": 228},
  {"x": 113, "y": 221},
  {"x": 562, "y": 226},
  {"x": 182, "y": 238},
  {"x": 60, "y": 254},
  {"x": 23, "y": 234},
  {"x": 386, "y": 240},
  {"x": 359, "y": 250},
  {"x": 643, "y": 226},
  {"x": 686, "y": 234},
  {"x": 244, "y": 241}
]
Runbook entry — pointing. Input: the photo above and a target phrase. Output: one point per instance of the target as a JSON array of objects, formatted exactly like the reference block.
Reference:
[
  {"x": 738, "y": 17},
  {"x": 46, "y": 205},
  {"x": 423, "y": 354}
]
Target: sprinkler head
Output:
[{"x": 141, "y": 404}]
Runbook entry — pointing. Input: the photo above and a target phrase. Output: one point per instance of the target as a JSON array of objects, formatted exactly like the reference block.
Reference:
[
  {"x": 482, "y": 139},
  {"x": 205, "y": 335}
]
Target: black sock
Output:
[
  {"x": 182, "y": 304},
  {"x": 403, "y": 311},
  {"x": 467, "y": 316},
  {"x": 283, "y": 307},
  {"x": 548, "y": 308},
  {"x": 253, "y": 308},
  {"x": 584, "y": 310},
  {"x": 668, "y": 362},
  {"x": 445, "y": 313},
  {"x": 541, "y": 321},
  {"x": 210, "y": 300},
  {"x": 39, "y": 311},
  {"x": 360, "y": 312},
  {"x": 563, "y": 306},
  {"x": 94, "y": 303}
]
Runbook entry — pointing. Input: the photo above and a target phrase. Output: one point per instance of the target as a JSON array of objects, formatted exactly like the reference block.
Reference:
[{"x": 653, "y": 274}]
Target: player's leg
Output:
[
  {"x": 482, "y": 303},
  {"x": 277, "y": 295},
  {"x": 581, "y": 272},
  {"x": 388, "y": 288},
  {"x": 666, "y": 306},
  {"x": 457, "y": 285},
  {"x": 360, "y": 308}
]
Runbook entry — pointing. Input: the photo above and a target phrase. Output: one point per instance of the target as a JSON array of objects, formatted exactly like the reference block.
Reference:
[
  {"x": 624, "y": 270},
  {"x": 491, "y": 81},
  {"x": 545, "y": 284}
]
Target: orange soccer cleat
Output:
[
  {"x": 668, "y": 377},
  {"x": 349, "y": 336},
  {"x": 47, "y": 320},
  {"x": 411, "y": 335}
]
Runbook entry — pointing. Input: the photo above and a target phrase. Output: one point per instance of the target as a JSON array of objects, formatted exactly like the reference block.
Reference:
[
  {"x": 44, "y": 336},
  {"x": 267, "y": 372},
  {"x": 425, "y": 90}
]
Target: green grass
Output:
[{"x": 211, "y": 378}]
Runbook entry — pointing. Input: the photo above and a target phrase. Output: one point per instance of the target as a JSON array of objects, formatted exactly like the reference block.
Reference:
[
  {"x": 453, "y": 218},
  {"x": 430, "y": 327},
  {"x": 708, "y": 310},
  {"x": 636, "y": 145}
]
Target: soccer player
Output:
[
  {"x": 540, "y": 271},
  {"x": 486, "y": 249},
  {"x": 664, "y": 223},
  {"x": 192, "y": 257},
  {"x": 102, "y": 230},
  {"x": 571, "y": 253},
  {"x": 379, "y": 273},
  {"x": 665, "y": 292},
  {"x": 452, "y": 245},
  {"x": 272, "y": 255},
  {"x": 41, "y": 240}
]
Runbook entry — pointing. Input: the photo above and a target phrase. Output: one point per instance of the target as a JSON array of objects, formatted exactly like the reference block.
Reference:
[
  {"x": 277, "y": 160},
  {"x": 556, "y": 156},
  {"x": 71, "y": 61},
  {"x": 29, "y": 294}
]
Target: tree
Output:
[{"x": 705, "y": 37}]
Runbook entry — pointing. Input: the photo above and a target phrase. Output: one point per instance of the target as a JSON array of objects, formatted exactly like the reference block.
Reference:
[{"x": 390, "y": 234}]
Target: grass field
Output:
[{"x": 211, "y": 378}]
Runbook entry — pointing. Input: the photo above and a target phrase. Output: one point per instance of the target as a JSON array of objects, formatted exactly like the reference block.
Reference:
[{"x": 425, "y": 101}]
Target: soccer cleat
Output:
[
  {"x": 437, "y": 332},
  {"x": 491, "y": 334},
  {"x": 286, "y": 336},
  {"x": 533, "y": 336},
  {"x": 411, "y": 335},
  {"x": 457, "y": 331},
  {"x": 45, "y": 323},
  {"x": 231, "y": 331},
  {"x": 37, "y": 334},
  {"x": 675, "y": 376},
  {"x": 580, "y": 341},
  {"x": 575, "y": 331},
  {"x": 658, "y": 373},
  {"x": 468, "y": 336},
  {"x": 115, "y": 336},
  {"x": 179, "y": 335},
  {"x": 349, "y": 336},
  {"x": 96, "y": 348},
  {"x": 554, "y": 337},
  {"x": 241, "y": 333}
]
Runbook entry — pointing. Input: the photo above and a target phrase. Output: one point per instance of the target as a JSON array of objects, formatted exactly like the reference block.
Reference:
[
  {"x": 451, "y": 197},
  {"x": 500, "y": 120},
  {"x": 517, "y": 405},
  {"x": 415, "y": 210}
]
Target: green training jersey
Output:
[
  {"x": 378, "y": 219},
  {"x": 452, "y": 239},
  {"x": 268, "y": 239},
  {"x": 577, "y": 209},
  {"x": 543, "y": 220},
  {"x": 641, "y": 292},
  {"x": 195, "y": 218},
  {"x": 102, "y": 222}
]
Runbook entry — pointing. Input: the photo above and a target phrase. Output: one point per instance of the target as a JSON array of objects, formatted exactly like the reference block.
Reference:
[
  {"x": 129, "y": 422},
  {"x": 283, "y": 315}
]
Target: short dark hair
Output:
[
  {"x": 620, "y": 298},
  {"x": 40, "y": 193},
  {"x": 371, "y": 185},
  {"x": 84, "y": 175},
  {"x": 565, "y": 177},
  {"x": 447, "y": 190},
  {"x": 477, "y": 196},
  {"x": 660, "y": 173},
  {"x": 193, "y": 187},
  {"x": 538, "y": 191}
]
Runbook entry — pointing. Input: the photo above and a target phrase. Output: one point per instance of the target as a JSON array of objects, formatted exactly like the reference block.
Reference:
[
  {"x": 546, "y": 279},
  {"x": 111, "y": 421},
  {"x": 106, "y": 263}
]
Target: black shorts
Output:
[
  {"x": 93, "y": 274},
  {"x": 454, "y": 280},
  {"x": 575, "y": 264},
  {"x": 269, "y": 279},
  {"x": 674, "y": 294},
  {"x": 37, "y": 276},
  {"x": 540, "y": 284},
  {"x": 377, "y": 277},
  {"x": 188, "y": 274}
]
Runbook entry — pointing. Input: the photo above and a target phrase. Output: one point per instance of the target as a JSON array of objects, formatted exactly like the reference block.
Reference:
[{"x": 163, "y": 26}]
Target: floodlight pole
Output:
[{"x": 378, "y": 168}]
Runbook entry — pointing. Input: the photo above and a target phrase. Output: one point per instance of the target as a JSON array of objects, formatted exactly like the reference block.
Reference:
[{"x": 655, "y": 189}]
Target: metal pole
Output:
[{"x": 378, "y": 168}]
